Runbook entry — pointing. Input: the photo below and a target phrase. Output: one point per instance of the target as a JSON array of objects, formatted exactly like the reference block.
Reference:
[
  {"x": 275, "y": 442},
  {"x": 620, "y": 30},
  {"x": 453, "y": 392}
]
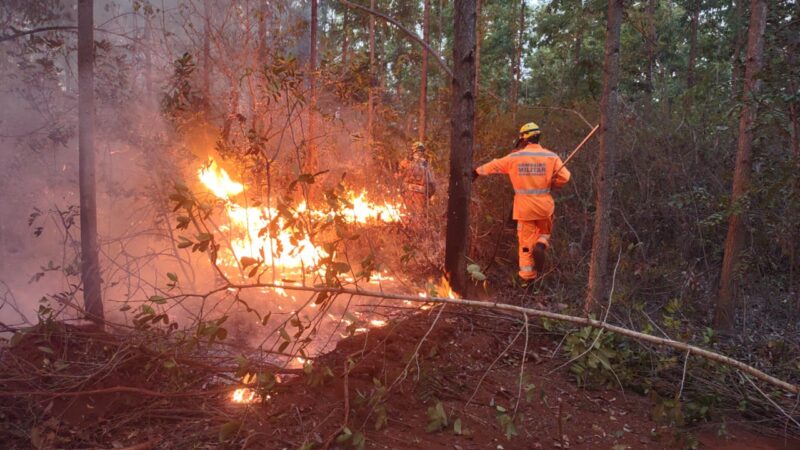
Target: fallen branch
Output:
[
  {"x": 682, "y": 346},
  {"x": 117, "y": 389}
]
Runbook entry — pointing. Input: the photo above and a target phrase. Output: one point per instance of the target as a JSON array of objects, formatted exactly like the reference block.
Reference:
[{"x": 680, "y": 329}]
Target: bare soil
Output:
[{"x": 374, "y": 387}]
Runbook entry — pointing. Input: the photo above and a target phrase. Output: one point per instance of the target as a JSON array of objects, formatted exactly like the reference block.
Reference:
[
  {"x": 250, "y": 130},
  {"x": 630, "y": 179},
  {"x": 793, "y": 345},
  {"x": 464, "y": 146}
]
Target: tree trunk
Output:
[
  {"x": 371, "y": 93},
  {"x": 726, "y": 311},
  {"x": 345, "y": 42},
  {"x": 478, "y": 38},
  {"x": 461, "y": 140},
  {"x": 577, "y": 49},
  {"x": 423, "y": 86},
  {"x": 313, "y": 158},
  {"x": 207, "y": 58},
  {"x": 736, "y": 64},
  {"x": 598, "y": 264},
  {"x": 262, "y": 32},
  {"x": 650, "y": 13},
  {"x": 516, "y": 70},
  {"x": 694, "y": 17},
  {"x": 90, "y": 264}
]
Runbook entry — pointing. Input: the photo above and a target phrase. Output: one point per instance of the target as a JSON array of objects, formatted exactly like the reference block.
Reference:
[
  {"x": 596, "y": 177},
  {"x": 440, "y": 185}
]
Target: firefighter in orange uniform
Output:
[
  {"x": 533, "y": 171},
  {"x": 418, "y": 181}
]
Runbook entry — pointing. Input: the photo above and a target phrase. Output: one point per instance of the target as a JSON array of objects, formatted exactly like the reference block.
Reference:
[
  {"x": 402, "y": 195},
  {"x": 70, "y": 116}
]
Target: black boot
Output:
[{"x": 539, "y": 258}]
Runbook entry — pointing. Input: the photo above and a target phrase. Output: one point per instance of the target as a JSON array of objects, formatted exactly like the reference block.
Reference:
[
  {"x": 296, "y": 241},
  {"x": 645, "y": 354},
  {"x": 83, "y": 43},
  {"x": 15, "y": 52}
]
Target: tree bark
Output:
[
  {"x": 261, "y": 45},
  {"x": 312, "y": 160},
  {"x": 371, "y": 92},
  {"x": 577, "y": 49},
  {"x": 652, "y": 37},
  {"x": 207, "y": 58},
  {"x": 461, "y": 141},
  {"x": 736, "y": 64},
  {"x": 423, "y": 87},
  {"x": 345, "y": 42},
  {"x": 90, "y": 264},
  {"x": 598, "y": 264},
  {"x": 726, "y": 311},
  {"x": 478, "y": 38},
  {"x": 694, "y": 17},
  {"x": 516, "y": 70}
]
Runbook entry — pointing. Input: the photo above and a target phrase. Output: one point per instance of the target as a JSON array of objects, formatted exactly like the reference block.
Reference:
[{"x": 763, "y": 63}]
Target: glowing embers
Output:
[{"x": 245, "y": 395}]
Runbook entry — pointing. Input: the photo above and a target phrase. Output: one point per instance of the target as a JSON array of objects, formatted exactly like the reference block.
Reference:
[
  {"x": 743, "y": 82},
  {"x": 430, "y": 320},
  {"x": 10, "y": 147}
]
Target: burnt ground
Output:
[{"x": 384, "y": 398}]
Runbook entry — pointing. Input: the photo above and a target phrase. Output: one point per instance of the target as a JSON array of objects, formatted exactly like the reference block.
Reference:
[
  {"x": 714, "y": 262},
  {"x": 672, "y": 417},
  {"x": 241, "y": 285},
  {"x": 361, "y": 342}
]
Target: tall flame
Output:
[
  {"x": 285, "y": 249},
  {"x": 217, "y": 180}
]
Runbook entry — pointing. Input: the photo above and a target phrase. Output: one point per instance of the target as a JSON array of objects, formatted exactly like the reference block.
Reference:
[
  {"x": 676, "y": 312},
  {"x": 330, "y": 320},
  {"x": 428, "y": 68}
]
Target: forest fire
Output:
[{"x": 286, "y": 249}]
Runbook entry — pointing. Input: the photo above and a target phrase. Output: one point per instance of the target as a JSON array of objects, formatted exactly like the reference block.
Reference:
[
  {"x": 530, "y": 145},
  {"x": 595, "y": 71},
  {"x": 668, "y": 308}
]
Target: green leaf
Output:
[
  {"x": 457, "y": 426},
  {"x": 473, "y": 268},
  {"x": 125, "y": 308},
  {"x": 345, "y": 435},
  {"x": 158, "y": 300},
  {"x": 48, "y": 350},
  {"x": 227, "y": 430},
  {"x": 172, "y": 277}
]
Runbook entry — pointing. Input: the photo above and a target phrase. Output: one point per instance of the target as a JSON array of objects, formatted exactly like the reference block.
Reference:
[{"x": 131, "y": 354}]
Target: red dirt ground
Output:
[{"x": 453, "y": 362}]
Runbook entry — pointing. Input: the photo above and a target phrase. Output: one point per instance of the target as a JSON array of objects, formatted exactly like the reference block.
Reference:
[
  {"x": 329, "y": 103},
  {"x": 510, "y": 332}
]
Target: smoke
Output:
[{"x": 160, "y": 115}]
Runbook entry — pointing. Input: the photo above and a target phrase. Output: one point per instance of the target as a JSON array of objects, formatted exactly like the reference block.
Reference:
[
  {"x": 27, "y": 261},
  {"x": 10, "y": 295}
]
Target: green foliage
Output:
[
  {"x": 506, "y": 421},
  {"x": 597, "y": 356},
  {"x": 437, "y": 418}
]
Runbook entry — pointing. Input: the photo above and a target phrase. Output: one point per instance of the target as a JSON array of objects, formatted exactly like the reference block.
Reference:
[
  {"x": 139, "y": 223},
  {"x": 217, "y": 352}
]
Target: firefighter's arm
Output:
[
  {"x": 494, "y": 166},
  {"x": 561, "y": 176}
]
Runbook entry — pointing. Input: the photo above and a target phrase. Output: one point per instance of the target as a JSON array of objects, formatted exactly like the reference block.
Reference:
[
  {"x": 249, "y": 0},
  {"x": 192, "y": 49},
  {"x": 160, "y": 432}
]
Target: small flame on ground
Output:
[
  {"x": 377, "y": 323},
  {"x": 245, "y": 395}
]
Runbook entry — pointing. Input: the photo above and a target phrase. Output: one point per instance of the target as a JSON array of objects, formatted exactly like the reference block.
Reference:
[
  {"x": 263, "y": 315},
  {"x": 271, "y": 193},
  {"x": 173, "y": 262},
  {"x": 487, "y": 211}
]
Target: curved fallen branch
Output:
[{"x": 682, "y": 346}]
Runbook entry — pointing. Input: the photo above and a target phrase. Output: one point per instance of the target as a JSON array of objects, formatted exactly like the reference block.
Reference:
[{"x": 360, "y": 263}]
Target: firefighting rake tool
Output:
[{"x": 577, "y": 149}]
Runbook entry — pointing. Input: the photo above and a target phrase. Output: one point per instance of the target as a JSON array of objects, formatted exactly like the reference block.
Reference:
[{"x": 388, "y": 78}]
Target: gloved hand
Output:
[{"x": 475, "y": 174}]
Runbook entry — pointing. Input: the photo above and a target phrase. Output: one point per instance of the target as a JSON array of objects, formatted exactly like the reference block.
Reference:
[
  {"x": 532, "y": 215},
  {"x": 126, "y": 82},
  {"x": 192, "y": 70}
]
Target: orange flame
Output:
[{"x": 286, "y": 249}]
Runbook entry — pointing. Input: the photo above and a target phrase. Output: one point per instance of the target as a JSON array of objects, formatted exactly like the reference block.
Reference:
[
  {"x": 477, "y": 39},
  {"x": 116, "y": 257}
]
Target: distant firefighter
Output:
[
  {"x": 533, "y": 171},
  {"x": 418, "y": 182}
]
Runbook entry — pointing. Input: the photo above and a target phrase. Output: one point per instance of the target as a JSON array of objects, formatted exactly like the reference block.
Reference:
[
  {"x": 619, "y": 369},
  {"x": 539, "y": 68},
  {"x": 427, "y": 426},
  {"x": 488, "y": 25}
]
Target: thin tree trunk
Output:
[
  {"x": 312, "y": 160},
  {"x": 423, "y": 87},
  {"x": 461, "y": 141},
  {"x": 577, "y": 48},
  {"x": 517, "y": 62},
  {"x": 90, "y": 263},
  {"x": 262, "y": 32},
  {"x": 598, "y": 264},
  {"x": 694, "y": 17},
  {"x": 371, "y": 93},
  {"x": 345, "y": 42},
  {"x": 207, "y": 58},
  {"x": 477, "y": 84},
  {"x": 726, "y": 311},
  {"x": 650, "y": 13},
  {"x": 739, "y": 43}
]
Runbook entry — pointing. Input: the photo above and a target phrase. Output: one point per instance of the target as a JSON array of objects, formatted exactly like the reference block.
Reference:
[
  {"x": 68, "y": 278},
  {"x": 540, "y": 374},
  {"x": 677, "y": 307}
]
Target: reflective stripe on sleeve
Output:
[
  {"x": 526, "y": 268},
  {"x": 546, "y": 154},
  {"x": 532, "y": 191}
]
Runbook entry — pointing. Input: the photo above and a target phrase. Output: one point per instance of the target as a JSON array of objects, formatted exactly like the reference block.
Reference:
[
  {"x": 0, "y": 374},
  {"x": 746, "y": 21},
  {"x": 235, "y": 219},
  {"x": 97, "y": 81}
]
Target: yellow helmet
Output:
[
  {"x": 528, "y": 130},
  {"x": 418, "y": 147}
]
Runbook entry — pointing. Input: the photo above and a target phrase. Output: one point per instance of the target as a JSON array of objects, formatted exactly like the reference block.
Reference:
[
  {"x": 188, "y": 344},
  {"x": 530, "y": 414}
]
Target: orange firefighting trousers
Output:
[{"x": 530, "y": 233}]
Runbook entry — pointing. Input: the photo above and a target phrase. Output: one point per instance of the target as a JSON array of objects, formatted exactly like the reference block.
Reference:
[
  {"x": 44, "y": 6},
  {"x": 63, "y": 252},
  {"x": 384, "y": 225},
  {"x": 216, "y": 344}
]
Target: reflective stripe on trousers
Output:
[{"x": 529, "y": 233}]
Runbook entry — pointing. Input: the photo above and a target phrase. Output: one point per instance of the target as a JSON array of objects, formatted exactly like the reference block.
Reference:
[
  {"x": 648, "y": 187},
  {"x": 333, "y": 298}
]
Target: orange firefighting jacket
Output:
[{"x": 532, "y": 171}]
